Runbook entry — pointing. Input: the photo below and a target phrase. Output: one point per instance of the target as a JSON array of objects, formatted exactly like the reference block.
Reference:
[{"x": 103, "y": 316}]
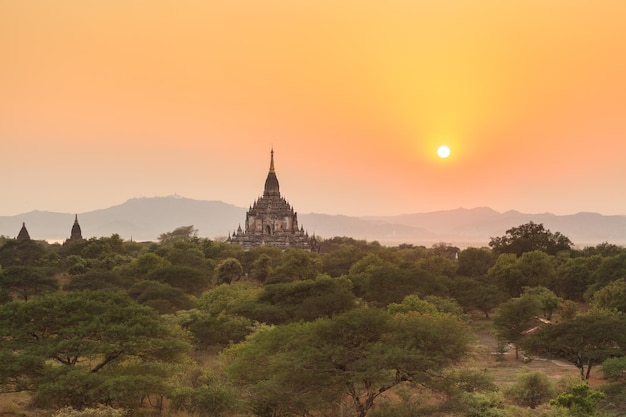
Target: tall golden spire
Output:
[{"x": 272, "y": 161}]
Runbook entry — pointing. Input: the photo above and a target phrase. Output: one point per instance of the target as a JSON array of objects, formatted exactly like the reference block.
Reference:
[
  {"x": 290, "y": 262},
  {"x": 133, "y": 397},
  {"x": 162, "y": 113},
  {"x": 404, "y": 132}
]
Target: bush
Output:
[
  {"x": 102, "y": 411},
  {"x": 532, "y": 389}
]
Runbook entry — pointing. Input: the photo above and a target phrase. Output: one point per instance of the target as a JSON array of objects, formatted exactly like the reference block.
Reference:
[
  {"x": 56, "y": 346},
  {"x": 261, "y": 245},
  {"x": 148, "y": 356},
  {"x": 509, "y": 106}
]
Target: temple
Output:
[
  {"x": 76, "y": 233},
  {"x": 272, "y": 221},
  {"x": 23, "y": 234}
]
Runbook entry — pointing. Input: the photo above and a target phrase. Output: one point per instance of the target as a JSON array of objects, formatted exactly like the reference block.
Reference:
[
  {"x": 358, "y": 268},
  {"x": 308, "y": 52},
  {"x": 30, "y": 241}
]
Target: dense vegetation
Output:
[{"x": 201, "y": 327}]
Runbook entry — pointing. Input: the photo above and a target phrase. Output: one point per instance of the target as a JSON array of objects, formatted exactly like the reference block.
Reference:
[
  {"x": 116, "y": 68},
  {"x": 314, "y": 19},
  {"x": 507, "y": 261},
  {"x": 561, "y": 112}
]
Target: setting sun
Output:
[{"x": 443, "y": 151}]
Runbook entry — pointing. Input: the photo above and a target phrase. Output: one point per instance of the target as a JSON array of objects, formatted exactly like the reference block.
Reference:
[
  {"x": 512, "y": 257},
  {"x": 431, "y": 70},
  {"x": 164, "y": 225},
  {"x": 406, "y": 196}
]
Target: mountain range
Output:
[{"x": 144, "y": 219}]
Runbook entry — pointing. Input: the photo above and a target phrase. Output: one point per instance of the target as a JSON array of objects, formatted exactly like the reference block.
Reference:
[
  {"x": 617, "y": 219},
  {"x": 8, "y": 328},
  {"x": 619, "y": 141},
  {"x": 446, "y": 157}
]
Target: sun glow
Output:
[{"x": 443, "y": 151}]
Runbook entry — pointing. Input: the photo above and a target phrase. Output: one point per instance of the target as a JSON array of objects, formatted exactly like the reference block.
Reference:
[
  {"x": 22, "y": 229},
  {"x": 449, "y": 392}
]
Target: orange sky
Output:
[{"x": 101, "y": 101}]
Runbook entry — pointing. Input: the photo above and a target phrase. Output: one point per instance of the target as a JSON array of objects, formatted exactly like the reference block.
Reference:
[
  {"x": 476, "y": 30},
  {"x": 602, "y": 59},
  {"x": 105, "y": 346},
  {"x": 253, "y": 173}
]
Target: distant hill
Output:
[{"x": 146, "y": 218}]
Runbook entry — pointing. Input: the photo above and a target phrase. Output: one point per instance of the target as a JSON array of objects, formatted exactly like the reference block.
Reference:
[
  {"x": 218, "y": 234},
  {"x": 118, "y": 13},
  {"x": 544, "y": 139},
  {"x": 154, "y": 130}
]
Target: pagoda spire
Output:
[
  {"x": 272, "y": 161},
  {"x": 271, "y": 182}
]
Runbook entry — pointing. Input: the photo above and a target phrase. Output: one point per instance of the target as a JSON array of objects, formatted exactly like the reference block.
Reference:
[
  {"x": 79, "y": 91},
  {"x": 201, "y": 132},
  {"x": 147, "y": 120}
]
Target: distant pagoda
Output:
[
  {"x": 272, "y": 221},
  {"x": 23, "y": 234},
  {"x": 76, "y": 234}
]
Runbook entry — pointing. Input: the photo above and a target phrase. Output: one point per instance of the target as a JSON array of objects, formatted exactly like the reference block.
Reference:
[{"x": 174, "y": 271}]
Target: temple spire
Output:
[
  {"x": 271, "y": 182},
  {"x": 272, "y": 161}
]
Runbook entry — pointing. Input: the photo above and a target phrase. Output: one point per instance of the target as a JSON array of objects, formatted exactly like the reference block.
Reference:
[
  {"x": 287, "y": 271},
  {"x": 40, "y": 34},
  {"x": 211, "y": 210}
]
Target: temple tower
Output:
[
  {"x": 23, "y": 234},
  {"x": 76, "y": 233},
  {"x": 271, "y": 220}
]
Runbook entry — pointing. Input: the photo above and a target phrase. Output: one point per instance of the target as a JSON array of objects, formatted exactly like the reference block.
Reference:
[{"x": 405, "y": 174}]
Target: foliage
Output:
[
  {"x": 161, "y": 296},
  {"x": 532, "y": 389},
  {"x": 475, "y": 262},
  {"x": 227, "y": 271},
  {"x": 97, "y": 280},
  {"x": 309, "y": 299},
  {"x": 298, "y": 264},
  {"x": 100, "y": 411},
  {"x": 614, "y": 369},
  {"x": 68, "y": 348},
  {"x": 586, "y": 340},
  {"x": 515, "y": 317},
  {"x": 180, "y": 234},
  {"x": 359, "y": 354},
  {"x": 208, "y": 396},
  {"x": 22, "y": 253},
  {"x": 192, "y": 280},
  {"x": 611, "y": 297},
  {"x": 26, "y": 281},
  {"x": 529, "y": 237},
  {"x": 549, "y": 301},
  {"x": 580, "y": 400}
]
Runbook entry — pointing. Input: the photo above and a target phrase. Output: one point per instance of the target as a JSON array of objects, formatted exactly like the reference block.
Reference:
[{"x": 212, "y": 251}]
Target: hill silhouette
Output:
[{"x": 146, "y": 218}]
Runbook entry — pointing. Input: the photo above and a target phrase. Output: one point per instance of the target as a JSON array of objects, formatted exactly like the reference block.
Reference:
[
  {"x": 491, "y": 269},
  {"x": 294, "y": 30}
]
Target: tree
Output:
[
  {"x": 76, "y": 349},
  {"x": 161, "y": 296},
  {"x": 21, "y": 253},
  {"x": 529, "y": 237},
  {"x": 611, "y": 297},
  {"x": 514, "y": 318},
  {"x": 475, "y": 262},
  {"x": 207, "y": 396},
  {"x": 477, "y": 294},
  {"x": 586, "y": 340},
  {"x": 537, "y": 268},
  {"x": 358, "y": 355},
  {"x": 191, "y": 280},
  {"x": 26, "y": 281},
  {"x": 574, "y": 276},
  {"x": 549, "y": 301},
  {"x": 580, "y": 400},
  {"x": 227, "y": 271},
  {"x": 532, "y": 389},
  {"x": 262, "y": 268},
  {"x": 180, "y": 234},
  {"x": 298, "y": 264},
  {"x": 309, "y": 299},
  {"x": 97, "y": 280},
  {"x": 507, "y": 275}
]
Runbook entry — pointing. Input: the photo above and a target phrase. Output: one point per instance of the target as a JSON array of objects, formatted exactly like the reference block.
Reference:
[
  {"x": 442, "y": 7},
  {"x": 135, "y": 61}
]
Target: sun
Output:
[{"x": 443, "y": 151}]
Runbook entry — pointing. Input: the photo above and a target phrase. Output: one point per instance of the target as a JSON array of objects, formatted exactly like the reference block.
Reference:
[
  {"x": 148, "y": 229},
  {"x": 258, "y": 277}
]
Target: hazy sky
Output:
[{"x": 102, "y": 101}]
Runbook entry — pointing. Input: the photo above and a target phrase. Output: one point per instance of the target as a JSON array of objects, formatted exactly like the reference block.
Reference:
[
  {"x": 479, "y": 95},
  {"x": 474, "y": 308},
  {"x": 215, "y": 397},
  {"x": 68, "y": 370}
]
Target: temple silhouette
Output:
[{"x": 272, "y": 221}]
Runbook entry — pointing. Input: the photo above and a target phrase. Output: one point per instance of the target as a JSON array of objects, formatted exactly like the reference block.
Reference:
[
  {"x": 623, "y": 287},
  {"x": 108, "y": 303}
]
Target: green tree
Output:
[
  {"x": 586, "y": 341},
  {"x": 180, "y": 234},
  {"x": 574, "y": 276},
  {"x": 189, "y": 279},
  {"x": 227, "y": 271},
  {"x": 475, "y": 262},
  {"x": 611, "y": 297},
  {"x": 507, "y": 275},
  {"x": 549, "y": 301},
  {"x": 359, "y": 355},
  {"x": 298, "y": 264},
  {"x": 479, "y": 294},
  {"x": 308, "y": 299},
  {"x": 22, "y": 253},
  {"x": 27, "y": 281},
  {"x": 537, "y": 268},
  {"x": 580, "y": 400},
  {"x": 514, "y": 318},
  {"x": 161, "y": 296},
  {"x": 532, "y": 389},
  {"x": 69, "y": 349},
  {"x": 529, "y": 237},
  {"x": 97, "y": 280},
  {"x": 207, "y": 396},
  {"x": 262, "y": 268}
]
